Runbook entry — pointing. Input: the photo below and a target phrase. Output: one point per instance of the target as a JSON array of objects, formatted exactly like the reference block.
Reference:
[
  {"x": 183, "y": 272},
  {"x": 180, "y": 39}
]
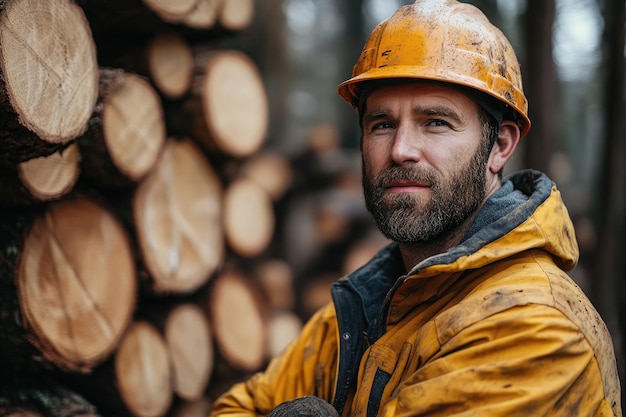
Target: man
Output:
[{"x": 470, "y": 311}]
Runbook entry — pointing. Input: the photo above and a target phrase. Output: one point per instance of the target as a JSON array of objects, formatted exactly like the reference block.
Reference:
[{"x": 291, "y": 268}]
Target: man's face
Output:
[{"x": 424, "y": 160}]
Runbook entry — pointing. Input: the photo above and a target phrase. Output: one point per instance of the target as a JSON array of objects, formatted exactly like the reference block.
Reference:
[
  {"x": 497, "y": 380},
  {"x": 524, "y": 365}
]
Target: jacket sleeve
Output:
[
  {"x": 527, "y": 360},
  {"x": 306, "y": 367}
]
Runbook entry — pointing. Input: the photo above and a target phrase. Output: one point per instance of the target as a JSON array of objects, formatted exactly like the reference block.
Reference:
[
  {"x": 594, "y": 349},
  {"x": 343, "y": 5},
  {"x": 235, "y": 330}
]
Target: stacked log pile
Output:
[
  {"x": 138, "y": 267},
  {"x": 133, "y": 197}
]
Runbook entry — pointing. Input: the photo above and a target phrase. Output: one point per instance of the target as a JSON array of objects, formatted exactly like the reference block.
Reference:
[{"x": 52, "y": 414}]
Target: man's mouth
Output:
[{"x": 398, "y": 187}]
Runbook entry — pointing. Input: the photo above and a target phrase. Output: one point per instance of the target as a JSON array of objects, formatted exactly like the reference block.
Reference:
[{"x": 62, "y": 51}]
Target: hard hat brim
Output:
[{"x": 348, "y": 90}]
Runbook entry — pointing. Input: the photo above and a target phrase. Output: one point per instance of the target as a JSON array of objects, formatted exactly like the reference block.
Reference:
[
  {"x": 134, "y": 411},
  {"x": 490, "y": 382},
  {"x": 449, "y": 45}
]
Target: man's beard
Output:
[{"x": 404, "y": 219}]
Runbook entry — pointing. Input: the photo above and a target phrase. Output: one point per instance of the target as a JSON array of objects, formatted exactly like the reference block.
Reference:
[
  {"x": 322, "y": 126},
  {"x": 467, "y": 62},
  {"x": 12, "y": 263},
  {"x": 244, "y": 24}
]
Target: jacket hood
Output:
[{"x": 536, "y": 219}]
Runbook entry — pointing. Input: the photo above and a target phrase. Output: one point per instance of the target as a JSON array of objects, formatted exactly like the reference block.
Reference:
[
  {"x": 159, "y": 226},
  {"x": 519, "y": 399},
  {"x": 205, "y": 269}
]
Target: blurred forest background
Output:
[{"x": 572, "y": 56}]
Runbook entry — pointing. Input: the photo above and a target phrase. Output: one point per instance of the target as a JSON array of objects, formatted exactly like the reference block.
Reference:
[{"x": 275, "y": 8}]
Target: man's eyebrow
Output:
[
  {"x": 434, "y": 110},
  {"x": 375, "y": 114},
  {"x": 443, "y": 111}
]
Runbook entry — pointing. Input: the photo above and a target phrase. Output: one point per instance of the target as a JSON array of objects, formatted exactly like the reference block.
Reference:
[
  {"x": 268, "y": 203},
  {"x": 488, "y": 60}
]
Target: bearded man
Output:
[{"x": 470, "y": 311}]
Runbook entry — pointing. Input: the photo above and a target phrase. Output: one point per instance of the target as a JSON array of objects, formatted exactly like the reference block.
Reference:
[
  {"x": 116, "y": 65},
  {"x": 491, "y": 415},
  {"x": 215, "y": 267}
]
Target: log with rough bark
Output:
[
  {"x": 49, "y": 77},
  {"x": 43, "y": 397},
  {"x": 69, "y": 287},
  {"x": 229, "y": 107},
  {"x": 177, "y": 212},
  {"x": 39, "y": 179},
  {"x": 126, "y": 132},
  {"x": 238, "y": 317},
  {"x": 248, "y": 218}
]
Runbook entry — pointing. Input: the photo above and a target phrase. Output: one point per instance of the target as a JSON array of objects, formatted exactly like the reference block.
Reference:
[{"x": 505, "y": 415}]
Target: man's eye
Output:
[
  {"x": 437, "y": 123},
  {"x": 382, "y": 125}
]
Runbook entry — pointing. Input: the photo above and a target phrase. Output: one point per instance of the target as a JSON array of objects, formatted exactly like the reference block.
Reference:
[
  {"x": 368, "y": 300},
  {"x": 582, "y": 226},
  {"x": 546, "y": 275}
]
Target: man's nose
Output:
[{"x": 407, "y": 145}]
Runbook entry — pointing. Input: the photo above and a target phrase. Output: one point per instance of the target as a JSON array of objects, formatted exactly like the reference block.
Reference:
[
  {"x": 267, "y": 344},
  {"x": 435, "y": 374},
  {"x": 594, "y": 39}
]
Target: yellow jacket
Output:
[{"x": 492, "y": 327}]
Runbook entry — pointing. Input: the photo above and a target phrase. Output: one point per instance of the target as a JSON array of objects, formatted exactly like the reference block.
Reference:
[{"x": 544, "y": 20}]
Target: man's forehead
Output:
[{"x": 422, "y": 96}]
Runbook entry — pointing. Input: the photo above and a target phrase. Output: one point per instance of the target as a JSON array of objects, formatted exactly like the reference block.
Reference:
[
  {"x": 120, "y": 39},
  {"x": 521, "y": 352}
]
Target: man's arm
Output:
[{"x": 307, "y": 367}]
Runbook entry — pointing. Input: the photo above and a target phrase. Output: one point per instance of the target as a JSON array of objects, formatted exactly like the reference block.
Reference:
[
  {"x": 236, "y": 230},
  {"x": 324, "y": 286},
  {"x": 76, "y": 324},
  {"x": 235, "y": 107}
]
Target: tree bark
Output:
[
  {"x": 611, "y": 203},
  {"x": 541, "y": 83},
  {"x": 49, "y": 77},
  {"x": 43, "y": 397}
]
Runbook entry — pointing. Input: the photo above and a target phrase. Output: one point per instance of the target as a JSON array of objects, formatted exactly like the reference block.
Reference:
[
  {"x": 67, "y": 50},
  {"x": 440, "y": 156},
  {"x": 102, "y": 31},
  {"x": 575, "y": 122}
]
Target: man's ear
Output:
[{"x": 508, "y": 138}]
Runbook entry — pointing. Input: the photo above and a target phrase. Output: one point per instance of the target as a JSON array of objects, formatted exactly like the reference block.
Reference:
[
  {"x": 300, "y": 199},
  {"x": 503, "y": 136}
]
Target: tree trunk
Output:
[
  {"x": 541, "y": 81},
  {"x": 608, "y": 282},
  {"x": 49, "y": 77}
]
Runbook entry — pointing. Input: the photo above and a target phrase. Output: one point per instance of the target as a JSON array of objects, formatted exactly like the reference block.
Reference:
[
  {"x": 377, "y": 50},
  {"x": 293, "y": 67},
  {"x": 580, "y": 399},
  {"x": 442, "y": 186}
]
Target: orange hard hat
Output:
[{"x": 447, "y": 41}]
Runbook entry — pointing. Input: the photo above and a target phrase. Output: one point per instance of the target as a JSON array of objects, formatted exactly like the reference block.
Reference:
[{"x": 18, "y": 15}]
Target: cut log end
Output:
[
  {"x": 51, "y": 177},
  {"x": 238, "y": 321},
  {"x": 170, "y": 63},
  {"x": 177, "y": 211},
  {"x": 237, "y": 15},
  {"x": 171, "y": 10},
  {"x": 74, "y": 299},
  {"x": 142, "y": 371},
  {"x": 133, "y": 124},
  {"x": 248, "y": 217},
  {"x": 235, "y": 104},
  {"x": 51, "y": 81},
  {"x": 204, "y": 15},
  {"x": 189, "y": 341},
  {"x": 284, "y": 327},
  {"x": 271, "y": 171}
]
